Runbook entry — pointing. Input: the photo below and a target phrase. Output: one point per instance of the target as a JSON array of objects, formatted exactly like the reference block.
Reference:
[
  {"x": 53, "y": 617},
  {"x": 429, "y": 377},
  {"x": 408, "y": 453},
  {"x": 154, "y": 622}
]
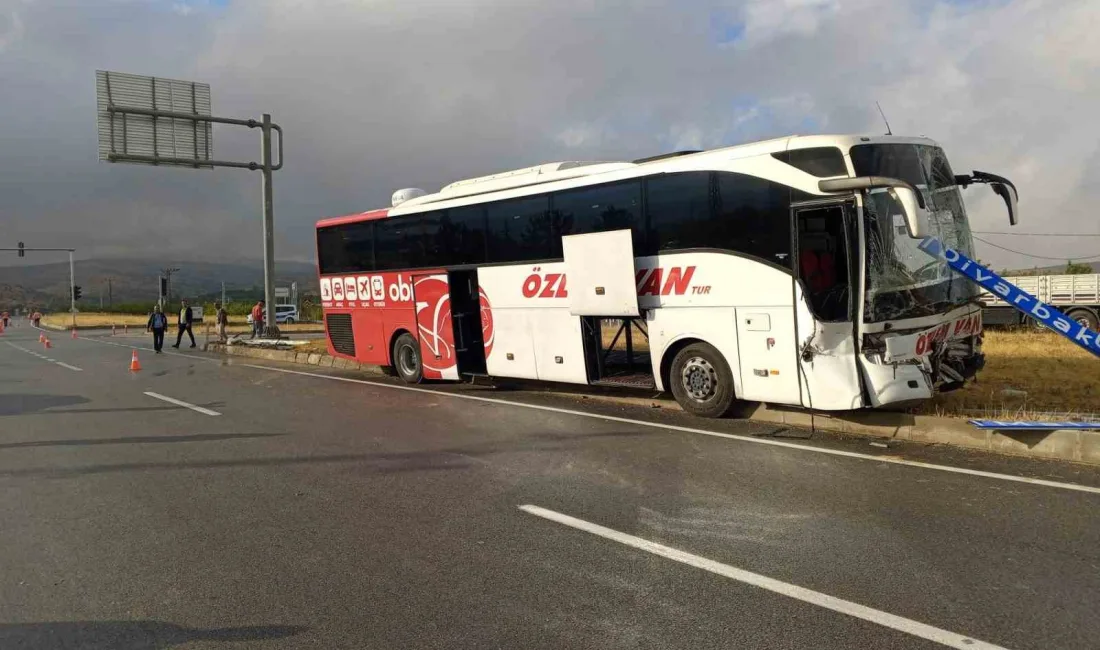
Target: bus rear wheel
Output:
[
  {"x": 701, "y": 381},
  {"x": 1084, "y": 318},
  {"x": 406, "y": 359}
]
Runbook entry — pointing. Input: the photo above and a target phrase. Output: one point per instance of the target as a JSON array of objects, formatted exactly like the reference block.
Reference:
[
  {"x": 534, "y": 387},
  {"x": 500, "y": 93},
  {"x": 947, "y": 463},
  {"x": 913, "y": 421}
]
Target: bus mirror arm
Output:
[
  {"x": 907, "y": 195},
  {"x": 1000, "y": 185}
]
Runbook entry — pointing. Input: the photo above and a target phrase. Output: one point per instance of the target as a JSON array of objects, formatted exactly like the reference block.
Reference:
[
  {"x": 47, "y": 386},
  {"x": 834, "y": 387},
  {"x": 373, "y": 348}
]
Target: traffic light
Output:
[
  {"x": 22, "y": 253},
  {"x": 76, "y": 292}
]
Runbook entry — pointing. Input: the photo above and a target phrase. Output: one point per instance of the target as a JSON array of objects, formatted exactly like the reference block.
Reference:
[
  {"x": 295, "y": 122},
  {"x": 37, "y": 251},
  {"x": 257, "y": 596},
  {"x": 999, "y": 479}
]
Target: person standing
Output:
[
  {"x": 36, "y": 318},
  {"x": 258, "y": 319},
  {"x": 221, "y": 319},
  {"x": 158, "y": 322},
  {"x": 185, "y": 324},
  {"x": 7, "y": 319}
]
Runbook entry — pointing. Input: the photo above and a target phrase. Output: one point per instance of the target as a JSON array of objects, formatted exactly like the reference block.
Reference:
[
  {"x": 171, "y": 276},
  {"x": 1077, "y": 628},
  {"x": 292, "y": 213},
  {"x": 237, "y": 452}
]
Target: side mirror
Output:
[
  {"x": 1008, "y": 193},
  {"x": 916, "y": 220}
]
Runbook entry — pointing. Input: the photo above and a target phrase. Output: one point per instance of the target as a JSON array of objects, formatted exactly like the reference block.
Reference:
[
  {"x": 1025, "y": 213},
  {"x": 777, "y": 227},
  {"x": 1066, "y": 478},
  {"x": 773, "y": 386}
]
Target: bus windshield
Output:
[{"x": 903, "y": 281}]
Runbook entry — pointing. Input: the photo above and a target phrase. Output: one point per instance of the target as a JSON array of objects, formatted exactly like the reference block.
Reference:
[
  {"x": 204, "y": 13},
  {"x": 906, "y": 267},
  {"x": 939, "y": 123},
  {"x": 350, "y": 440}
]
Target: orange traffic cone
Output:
[
  {"x": 48, "y": 344},
  {"x": 134, "y": 365},
  {"x": 74, "y": 332},
  {"x": 41, "y": 337}
]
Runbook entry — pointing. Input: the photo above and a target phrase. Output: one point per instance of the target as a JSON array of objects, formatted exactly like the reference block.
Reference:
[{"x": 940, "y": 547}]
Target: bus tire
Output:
[
  {"x": 406, "y": 359},
  {"x": 1085, "y": 317},
  {"x": 701, "y": 381}
]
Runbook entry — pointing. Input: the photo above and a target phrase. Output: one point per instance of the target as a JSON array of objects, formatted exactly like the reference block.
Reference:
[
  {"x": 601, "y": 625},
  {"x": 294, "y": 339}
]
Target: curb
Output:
[{"x": 1062, "y": 444}]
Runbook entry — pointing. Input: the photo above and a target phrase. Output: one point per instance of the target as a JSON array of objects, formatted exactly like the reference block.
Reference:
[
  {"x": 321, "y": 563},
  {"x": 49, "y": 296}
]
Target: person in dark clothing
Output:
[
  {"x": 158, "y": 322},
  {"x": 185, "y": 324}
]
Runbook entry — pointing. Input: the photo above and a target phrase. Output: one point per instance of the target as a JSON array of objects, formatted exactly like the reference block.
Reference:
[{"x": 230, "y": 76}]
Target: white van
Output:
[{"x": 283, "y": 314}]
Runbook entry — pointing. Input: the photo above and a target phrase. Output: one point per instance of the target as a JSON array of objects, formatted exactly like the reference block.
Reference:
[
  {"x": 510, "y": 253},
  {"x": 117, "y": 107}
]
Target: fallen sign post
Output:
[
  {"x": 156, "y": 121},
  {"x": 1016, "y": 297}
]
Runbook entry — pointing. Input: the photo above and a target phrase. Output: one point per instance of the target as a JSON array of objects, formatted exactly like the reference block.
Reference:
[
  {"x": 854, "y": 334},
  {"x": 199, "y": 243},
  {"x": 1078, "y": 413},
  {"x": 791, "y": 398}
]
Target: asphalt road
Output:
[{"x": 310, "y": 511}]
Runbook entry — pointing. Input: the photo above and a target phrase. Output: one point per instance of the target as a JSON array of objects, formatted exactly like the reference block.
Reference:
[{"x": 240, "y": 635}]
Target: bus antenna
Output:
[{"x": 888, "y": 131}]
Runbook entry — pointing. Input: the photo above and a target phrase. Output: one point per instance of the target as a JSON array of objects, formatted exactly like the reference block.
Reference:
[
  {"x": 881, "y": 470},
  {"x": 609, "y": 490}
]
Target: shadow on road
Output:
[
  {"x": 132, "y": 440},
  {"x": 127, "y": 635},
  {"x": 21, "y": 404}
]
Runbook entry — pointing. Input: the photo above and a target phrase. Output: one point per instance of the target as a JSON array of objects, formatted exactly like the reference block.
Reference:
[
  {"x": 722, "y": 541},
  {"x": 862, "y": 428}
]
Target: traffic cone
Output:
[
  {"x": 74, "y": 332},
  {"x": 134, "y": 364},
  {"x": 47, "y": 343},
  {"x": 41, "y": 337}
]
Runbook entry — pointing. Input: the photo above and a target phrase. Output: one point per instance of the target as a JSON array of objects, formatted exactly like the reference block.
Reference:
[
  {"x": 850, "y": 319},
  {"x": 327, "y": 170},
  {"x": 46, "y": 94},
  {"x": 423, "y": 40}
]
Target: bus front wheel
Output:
[
  {"x": 701, "y": 381},
  {"x": 406, "y": 359}
]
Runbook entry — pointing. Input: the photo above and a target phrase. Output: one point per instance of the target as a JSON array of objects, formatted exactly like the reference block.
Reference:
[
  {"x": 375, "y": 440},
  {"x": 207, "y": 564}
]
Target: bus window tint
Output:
[
  {"x": 753, "y": 217},
  {"x": 462, "y": 231},
  {"x": 395, "y": 240},
  {"x": 822, "y": 162},
  {"x": 519, "y": 229},
  {"x": 348, "y": 247},
  {"x": 598, "y": 209},
  {"x": 430, "y": 250},
  {"x": 679, "y": 208}
]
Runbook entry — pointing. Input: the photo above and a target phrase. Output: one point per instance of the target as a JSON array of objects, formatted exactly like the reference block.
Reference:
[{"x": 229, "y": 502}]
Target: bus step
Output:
[{"x": 636, "y": 380}]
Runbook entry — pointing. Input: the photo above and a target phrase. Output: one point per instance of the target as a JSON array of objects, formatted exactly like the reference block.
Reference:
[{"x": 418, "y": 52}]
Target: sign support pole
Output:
[
  {"x": 72, "y": 289},
  {"x": 271, "y": 328}
]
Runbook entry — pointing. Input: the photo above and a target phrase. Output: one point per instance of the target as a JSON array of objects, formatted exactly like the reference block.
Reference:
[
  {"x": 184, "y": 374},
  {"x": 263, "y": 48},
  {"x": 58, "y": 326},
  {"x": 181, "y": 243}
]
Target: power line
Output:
[
  {"x": 1062, "y": 258},
  {"x": 1037, "y": 234}
]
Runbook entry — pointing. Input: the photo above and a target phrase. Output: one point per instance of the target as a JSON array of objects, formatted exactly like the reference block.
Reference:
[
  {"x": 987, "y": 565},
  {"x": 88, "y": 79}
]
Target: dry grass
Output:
[
  {"x": 638, "y": 341},
  {"x": 1060, "y": 379},
  {"x": 237, "y": 324}
]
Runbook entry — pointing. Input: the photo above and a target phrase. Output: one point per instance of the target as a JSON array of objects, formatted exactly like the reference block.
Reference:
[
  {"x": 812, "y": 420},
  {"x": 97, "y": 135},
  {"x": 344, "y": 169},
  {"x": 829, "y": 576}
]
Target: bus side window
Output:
[
  {"x": 679, "y": 211},
  {"x": 753, "y": 217},
  {"x": 519, "y": 229},
  {"x": 462, "y": 236},
  {"x": 612, "y": 206}
]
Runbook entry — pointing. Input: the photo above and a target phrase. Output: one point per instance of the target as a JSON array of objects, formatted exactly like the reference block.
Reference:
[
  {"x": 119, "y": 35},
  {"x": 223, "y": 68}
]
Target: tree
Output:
[{"x": 1072, "y": 268}]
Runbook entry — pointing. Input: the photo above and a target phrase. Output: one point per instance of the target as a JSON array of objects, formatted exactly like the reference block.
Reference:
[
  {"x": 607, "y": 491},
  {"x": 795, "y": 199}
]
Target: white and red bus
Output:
[{"x": 784, "y": 271}]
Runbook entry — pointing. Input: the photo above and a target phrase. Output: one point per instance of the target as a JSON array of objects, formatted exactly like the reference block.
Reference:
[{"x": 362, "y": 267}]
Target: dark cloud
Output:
[{"x": 380, "y": 95}]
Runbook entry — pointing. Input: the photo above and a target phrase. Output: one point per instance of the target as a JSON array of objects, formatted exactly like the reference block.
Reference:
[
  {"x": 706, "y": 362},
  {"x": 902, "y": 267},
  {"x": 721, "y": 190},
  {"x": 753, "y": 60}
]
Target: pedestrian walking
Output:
[
  {"x": 258, "y": 319},
  {"x": 221, "y": 319},
  {"x": 36, "y": 318},
  {"x": 7, "y": 319},
  {"x": 185, "y": 320},
  {"x": 158, "y": 322}
]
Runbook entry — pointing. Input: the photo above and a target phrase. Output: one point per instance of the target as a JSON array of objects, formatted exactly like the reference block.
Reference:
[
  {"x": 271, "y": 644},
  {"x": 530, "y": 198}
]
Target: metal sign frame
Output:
[{"x": 195, "y": 119}]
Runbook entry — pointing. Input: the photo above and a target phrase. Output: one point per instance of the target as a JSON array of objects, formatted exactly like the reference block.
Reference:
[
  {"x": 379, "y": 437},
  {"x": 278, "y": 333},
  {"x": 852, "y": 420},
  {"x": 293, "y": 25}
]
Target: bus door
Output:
[
  {"x": 466, "y": 314},
  {"x": 432, "y": 302},
  {"x": 825, "y": 305}
]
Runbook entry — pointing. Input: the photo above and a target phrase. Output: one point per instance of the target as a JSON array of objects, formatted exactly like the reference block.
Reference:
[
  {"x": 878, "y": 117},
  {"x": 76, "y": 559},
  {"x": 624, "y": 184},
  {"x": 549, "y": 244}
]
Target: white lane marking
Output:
[
  {"x": 138, "y": 347},
  {"x": 879, "y": 617},
  {"x": 44, "y": 357},
  {"x": 172, "y": 400},
  {"x": 704, "y": 432}
]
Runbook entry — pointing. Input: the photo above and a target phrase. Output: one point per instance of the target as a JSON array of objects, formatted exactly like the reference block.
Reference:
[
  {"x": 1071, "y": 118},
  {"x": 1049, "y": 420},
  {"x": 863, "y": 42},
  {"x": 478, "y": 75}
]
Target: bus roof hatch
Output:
[{"x": 599, "y": 267}]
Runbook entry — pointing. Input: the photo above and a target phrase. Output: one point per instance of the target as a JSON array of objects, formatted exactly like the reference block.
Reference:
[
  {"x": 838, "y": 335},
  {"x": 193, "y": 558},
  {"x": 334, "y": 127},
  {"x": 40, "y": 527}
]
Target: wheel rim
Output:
[
  {"x": 699, "y": 379},
  {"x": 1083, "y": 321},
  {"x": 406, "y": 360}
]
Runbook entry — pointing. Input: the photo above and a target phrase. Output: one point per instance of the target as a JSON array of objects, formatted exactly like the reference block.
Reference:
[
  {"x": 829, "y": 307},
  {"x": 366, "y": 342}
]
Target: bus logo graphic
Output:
[
  {"x": 551, "y": 285},
  {"x": 487, "y": 332},
  {"x": 433, "y": 320},
  {"x": 337, "y": 289},
  {"x": 349, "y": 287},
  {"x": 326, "y": 289}
]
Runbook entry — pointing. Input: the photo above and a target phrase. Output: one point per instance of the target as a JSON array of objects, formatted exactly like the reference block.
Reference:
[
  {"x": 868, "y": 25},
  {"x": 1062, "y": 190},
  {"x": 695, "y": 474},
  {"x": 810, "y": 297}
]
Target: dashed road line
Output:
[
  {"x": 876, "y": 616},
  {"x": 44, "y": 357},
  {"x": 177, "y": 402}
]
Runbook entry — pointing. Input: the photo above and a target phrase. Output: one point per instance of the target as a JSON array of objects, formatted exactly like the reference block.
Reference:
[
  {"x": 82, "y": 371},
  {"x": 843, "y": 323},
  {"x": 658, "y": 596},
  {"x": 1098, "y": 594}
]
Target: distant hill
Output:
[
  {"x": 46, "y": 286},
  {"x": 1054, "y": 269}
]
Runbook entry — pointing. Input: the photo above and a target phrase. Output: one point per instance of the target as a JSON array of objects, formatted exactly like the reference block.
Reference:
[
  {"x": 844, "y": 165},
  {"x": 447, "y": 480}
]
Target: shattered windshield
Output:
[{"x": 902, "y": 280}]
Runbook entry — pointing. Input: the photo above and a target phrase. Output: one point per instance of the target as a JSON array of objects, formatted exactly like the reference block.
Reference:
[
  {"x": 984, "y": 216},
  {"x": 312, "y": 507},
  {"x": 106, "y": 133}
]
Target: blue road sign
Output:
[{"x": 1014, "y": 296}]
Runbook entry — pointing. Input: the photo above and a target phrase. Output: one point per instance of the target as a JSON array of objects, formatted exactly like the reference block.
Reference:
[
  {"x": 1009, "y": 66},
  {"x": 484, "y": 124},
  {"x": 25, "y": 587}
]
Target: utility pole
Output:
[
  {"x": 167, "y": 275},
  {"x": 110, "y": 294}
]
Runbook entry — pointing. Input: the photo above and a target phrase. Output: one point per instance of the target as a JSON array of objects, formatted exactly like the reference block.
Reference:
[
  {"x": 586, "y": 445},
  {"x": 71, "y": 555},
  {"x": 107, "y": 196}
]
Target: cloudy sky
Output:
[{"x": 375, "y": 95}]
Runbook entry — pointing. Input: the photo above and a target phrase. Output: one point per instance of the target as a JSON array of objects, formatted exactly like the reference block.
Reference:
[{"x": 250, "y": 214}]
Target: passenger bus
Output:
[{"x": 785, "y": 271}]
